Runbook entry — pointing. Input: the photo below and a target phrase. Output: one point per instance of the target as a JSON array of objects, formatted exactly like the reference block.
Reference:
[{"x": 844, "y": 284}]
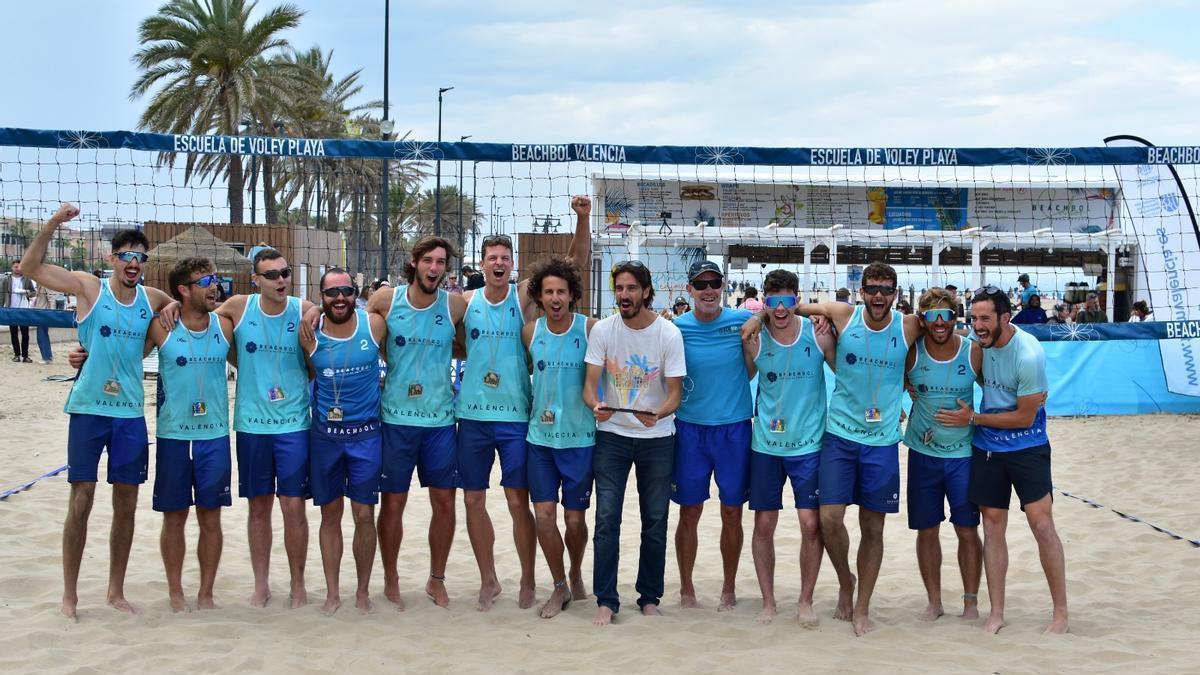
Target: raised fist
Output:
[
  {"x": 65, "y": 212},
  {"x": 581, "y": 205}
]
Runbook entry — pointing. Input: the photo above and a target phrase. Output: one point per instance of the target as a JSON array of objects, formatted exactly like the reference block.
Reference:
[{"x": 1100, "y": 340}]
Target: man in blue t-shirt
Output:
[
  {"x": 712, "y": 428},
  {"x": 1011, "y": 451}
]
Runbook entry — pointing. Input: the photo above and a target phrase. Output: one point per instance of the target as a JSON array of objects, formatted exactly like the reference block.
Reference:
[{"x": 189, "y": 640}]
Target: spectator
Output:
[
  {"x": 1090, "y": 311},
  {"x": 843, "y": 295},
  {"x": 222, "y": 296},
  {"x": 1141, "y": 312},
  {"x": 16, "y": 290},
  {"x": 903, "y": 306},
  {"x": 752, "y": 302},
  {"x": 1027, "y": 289},
  {"x": 1059, "y": 315},
  {"x": 1031, "y": 313},
  {"x": 681, "y": 306},
  {"x": 42, "y": 300},
  {"x": 473, "y": 279}
]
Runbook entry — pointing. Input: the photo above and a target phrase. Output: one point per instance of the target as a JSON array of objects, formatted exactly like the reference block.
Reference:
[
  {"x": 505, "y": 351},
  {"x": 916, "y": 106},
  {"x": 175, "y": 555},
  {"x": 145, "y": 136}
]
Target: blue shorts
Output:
[
  {"x": 931, "y": 482},
  {"x": 702, "y": 451},
  {"x": 124, "y": 437},
  {"x": 345, "y": 467},
  {"x": 569, "y": 467},
  {"x": 856, "y": 473},
  {"x": 478, "y": 443},
  {"x": 430, "y": 450},
  {"x": 272, "y": 464},
  {"x": 191, "y": 472},
  {"x": 768, "y": 472}
]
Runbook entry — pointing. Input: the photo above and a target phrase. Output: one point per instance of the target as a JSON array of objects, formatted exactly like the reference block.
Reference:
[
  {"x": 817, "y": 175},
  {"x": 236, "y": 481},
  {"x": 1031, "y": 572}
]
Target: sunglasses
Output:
[
  {"x": 275, "y": 275},
  {"x": 205, "y": 281},
  {"x": 932, "y": 315},
  {"x": 130, "y": 256},
  {"x": 701, "y": 284},
  {"x": 774, "y": 301},
  {"x": 878, "y": 289},
  {"x": 334, "y": 291},
  {"x": 630, "y": 263},
  {"x": 498, "y": 239}
]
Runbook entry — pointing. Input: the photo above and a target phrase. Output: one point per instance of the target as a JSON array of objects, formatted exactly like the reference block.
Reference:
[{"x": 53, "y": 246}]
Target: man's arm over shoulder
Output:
[{"x": 233, "y": 309}]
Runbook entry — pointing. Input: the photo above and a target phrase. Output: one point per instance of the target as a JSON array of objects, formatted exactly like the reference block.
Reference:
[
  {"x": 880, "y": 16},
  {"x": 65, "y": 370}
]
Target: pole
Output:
[
  {"x": 459, "y": 224},
  {"x": 383, "y": 192},
  {"x": 474, "y": 203},
  {"x": 437, "y": 186}
]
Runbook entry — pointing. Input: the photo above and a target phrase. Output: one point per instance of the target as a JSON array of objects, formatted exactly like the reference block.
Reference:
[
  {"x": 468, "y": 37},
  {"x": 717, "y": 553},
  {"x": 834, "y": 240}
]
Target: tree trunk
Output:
[{"x": 269, "y": 191}]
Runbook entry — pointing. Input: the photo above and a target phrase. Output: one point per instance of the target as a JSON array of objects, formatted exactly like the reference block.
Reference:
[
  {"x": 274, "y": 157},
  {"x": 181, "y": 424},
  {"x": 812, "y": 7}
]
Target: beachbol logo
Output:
[
  {"x": 400, "y": 341},
  {"x": 541, "y": 365},
  {"x": 474, "y": 333},
  {"x": 251, "y": 347},
  {"x": 922, "y": 388},
  {"x": 105, "y": 331},
  {"x": 771, "y": 377},
  {"x": 851, "y": 359},
  {"x": 181, "y": 361}
]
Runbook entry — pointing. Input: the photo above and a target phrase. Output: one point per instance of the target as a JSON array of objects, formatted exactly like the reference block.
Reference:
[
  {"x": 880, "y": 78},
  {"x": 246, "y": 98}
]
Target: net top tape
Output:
[{"x": 409, "y": 150}]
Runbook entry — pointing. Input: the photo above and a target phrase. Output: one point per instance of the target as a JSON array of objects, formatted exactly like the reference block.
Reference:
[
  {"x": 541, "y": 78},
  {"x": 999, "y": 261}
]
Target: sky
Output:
[{"x": 807, "y": 73}]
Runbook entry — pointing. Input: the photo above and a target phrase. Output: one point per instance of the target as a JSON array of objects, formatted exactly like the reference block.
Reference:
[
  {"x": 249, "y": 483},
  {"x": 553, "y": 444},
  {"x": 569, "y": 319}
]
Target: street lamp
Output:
[
  {"x": 437, "y": 191},
  {"x": 460, "y": 197},
  {"x": 385, "y": 130}
]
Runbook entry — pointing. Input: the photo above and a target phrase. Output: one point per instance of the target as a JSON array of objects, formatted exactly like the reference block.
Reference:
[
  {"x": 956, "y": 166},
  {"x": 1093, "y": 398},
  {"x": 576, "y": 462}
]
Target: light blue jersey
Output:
[
  {"x": 790, "y": 416},
  {"x": 195, "y": 405},
  {"x": 495, "y": 385},
  {"x": 1017, "y": 369},
  {"x": 272, "y": 389},
  {"x": 559, "y": 419},
  {"x": 346, "y": 387},
  {"x": 940, "y": 385},
  {"x": 867, "y": 391},
  {"x": 717, "y": 387},
  {"x": 114, "y": 334},
  {"x": 418, "y": 390}
]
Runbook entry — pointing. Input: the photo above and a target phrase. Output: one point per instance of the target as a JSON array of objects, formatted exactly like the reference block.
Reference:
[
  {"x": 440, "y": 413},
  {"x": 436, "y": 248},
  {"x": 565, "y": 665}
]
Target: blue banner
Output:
[
  {"x": 1091, "y": 332},
  {"x": 409, "y": 150}
]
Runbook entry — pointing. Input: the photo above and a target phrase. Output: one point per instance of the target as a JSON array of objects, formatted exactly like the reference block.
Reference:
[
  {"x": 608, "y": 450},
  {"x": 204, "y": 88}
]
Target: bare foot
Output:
[
  {"x": 993, "y": 624},
  {"x": 363, "y": 604},
  {"x": 650, "y": 610},
  {"x": 863, "y": 624},
  {"x": 488, "y": 594},
  {"x": 68, "y": 609},
  {"x": 299, "y": 597},
  {"x": 932, "y": 612},
  {"x": 120, "y": 604},
  {"x": 391, "y": 591},
  {"x": 331, "y": 606},
  {"x": 806, "y": 616},
  {"x": 728, "y": 601},
  {"x": 526, "y": 597},
  {"x": 435, "y": 590},
  {"x": 205, "y": 602},
  {"x": 970, "y": 611},
  {"x": 604, "y": 616},
  {"x": 556, "y": 604},
  {"x": 766, "y": 615},
  {"x": 845, "y": 605},
  {"x": 260, "y": 597},
  {"x": 578, "y": 589},
  {"x": 178, "y": 604},
  {"x": 1058, "y": 624},
  {"x": 688, "y": 601}
]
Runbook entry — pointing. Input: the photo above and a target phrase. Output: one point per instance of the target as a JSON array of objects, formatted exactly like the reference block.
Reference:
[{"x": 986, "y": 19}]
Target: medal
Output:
[
  {"x": 335, "y": 414},
  {"x": 777, "y": 425},
  {"x": 112, "y": 387},
  {"x": 873, "y": 415},
  {"x": 927, "y": 436},
  {"x": 199, "y": 409},
  {"x": 547, "y": 416},
  {"x": 275, "y": 394},
  {"x": 415, "y": 389},
  {"x": 491, "y": 378}
]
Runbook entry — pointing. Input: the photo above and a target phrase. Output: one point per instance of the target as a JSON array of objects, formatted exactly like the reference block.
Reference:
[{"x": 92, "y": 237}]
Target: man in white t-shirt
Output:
[{"x": 638, "y": 356}]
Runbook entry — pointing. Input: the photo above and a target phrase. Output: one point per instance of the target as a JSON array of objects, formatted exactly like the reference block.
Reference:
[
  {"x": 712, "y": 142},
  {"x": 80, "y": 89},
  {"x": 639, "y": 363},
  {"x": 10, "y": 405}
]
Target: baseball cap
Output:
[
  {"x": 700, "y": 267},
  {"x": 680, "y": 301},
  {"x": 1023, "y": 277}
]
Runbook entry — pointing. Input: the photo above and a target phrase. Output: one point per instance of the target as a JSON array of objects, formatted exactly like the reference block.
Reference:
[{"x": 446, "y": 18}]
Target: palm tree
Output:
[{"x": 212, "y": 64}]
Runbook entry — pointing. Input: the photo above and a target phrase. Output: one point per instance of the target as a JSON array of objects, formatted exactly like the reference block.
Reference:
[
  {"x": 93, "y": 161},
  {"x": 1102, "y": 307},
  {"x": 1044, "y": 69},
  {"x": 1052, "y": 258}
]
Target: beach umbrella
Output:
[{"x": 197, "y": 241}]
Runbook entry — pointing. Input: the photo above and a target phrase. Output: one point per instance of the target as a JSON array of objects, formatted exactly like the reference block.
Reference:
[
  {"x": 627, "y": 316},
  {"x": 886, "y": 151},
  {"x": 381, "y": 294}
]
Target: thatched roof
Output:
[{"x": 197, "y": 241}]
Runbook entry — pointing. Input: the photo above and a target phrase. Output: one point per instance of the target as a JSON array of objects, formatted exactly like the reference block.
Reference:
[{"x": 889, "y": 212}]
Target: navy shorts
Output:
[
  {"x": 570, "y": 468},
  {"x": 856, "y": 473},
  {"x": 272, "y": 464},
  {"x": 478, "y": 443},
  {"x": 932, "y": 481},
  {"x": 345, "y": 467},
  {"x": 768, "y": 472},
  {"x": 125, "y": 439},
  {"x": 703, "y": 451},
  {"x": 429, "y": 450},
  {"x": 191, "y": 472},
  {"x": 995, "y": 475}
]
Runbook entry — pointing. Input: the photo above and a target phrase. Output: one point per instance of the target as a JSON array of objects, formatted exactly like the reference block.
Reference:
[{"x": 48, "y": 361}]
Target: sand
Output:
[{"x": 1134, "y": 592}]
